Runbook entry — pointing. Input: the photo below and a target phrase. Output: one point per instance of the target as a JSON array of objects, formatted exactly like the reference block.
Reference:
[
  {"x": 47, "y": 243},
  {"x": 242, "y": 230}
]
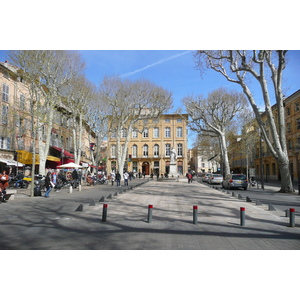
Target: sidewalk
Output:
[{"x": 53, "y": 223}]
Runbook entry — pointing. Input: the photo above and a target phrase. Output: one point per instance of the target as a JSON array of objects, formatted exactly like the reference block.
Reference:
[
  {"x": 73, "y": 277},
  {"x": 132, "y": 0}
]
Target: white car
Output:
[
  {"x": 205, "y": 177},
  {"x": 215, "y": 179}
]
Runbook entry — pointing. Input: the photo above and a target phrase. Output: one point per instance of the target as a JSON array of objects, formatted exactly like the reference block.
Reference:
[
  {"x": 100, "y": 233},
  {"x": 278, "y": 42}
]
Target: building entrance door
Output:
[{"x": 145, "y": 167}]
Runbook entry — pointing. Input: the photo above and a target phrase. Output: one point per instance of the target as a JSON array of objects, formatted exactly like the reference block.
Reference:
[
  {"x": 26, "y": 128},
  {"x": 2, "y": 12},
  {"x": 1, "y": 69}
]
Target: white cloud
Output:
[{"x": 155, "y": 64}]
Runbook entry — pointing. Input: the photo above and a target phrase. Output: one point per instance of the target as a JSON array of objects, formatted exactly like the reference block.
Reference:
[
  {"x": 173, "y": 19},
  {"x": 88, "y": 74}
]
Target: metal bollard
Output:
[
  {"x": 292, "y": 217},
  {"x": 195, "y": 214},
  {"x": 242, "y": 215},
  {"x": 71, "y": 189},
  {"x": 150, "y": 208},
  {"x": 104, "y": 212}
]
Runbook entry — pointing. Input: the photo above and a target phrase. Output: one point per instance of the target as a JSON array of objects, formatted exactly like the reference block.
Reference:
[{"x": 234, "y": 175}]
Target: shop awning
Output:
[
  {"x": 65, "y": 152},
  {"x": 11, "y": 162},
  {"x": 26, "y": 157},
  {"x": 53, "y": 158}
]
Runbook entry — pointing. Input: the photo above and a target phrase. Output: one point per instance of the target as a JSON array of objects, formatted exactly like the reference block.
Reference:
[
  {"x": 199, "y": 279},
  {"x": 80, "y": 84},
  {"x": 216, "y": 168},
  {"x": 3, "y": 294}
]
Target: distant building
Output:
[{"x": 149, "y": 149}]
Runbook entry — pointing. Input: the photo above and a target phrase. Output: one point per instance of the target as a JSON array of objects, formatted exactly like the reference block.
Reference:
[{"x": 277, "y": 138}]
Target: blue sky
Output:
[{"x": 174, "y": 70}]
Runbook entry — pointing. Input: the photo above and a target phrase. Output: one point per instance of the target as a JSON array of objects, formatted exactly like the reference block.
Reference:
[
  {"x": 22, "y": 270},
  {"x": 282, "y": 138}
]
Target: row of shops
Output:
[{"x": 21, "y": 160}]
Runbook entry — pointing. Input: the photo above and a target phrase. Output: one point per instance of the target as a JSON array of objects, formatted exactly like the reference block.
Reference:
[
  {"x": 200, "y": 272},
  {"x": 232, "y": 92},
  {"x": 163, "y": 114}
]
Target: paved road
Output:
[{"x": 53, "y": 223}]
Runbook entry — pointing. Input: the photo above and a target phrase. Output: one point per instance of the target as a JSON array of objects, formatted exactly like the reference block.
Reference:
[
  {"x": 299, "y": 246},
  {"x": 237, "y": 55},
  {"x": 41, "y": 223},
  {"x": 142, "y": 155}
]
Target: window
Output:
[
  {"x": 179, "y": 132},
  {"x": 298, "y": 123},
  {"x": 156, "y": 132},
  {"x": 288, "y": 111},
  {"x": 22, "y": 102},
  {"x": 179, "y": 120},
  {"x": 290, "y": 144},
  {"x": 168, "y": 149},
  {"x": 4, "y": 114},
  {"x": 156, "y": 150},
  {"x": 288, "y": 127},
  {"x": 145, "y": 150},
  {"x": 134, "y": 150},
  {"x": 4, "y": 143},
  {"x": 134, "y": 133},
  {"x": 5, "y": 93},
  {"x": 113, "y": 151},
  {"x": 297, "y": 106},
  {"x": 167, "y": 132},
  {"x": 145, "y": 133},
  {"x": 124, "y": 133},
  {"x": 167, "y": 120},
  {"x": 179, "y": 149}
]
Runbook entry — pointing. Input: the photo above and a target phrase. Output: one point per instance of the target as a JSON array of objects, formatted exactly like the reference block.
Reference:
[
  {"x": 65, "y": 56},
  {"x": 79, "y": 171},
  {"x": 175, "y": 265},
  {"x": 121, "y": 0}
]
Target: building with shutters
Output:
[{"x": 150, "y": 145}]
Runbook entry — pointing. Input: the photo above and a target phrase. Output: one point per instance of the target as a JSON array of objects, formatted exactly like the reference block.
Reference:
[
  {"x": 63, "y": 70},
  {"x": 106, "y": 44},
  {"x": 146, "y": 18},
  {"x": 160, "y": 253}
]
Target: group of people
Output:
[{"x": 117, "y": 177}]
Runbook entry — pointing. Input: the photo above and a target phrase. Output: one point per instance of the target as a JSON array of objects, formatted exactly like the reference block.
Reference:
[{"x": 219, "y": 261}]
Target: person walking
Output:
[
  {"x": 126, "y": 176},
  {"x": 48, "y": 184},
  {"x": 4, "y": 178},
  {"x": 190, "y": 177},
  {"x": 113, "y": 177},
  {"x": 118, "y": 178}
]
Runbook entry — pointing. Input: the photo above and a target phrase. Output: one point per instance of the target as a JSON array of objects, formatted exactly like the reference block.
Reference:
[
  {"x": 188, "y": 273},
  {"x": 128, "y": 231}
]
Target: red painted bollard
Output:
[
  {"x": 150, "y": 208},
  {"x": 242, "y": 214},
  {"x": 195, "y": 214},
  {"x": 104, "y": 212},
  {"x": 292, "y": 217}
]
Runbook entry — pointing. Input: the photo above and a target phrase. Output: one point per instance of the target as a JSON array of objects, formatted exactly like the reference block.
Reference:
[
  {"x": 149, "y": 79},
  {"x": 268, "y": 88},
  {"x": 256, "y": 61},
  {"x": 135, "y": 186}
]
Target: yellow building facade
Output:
[{"x": 150, "y": 144}]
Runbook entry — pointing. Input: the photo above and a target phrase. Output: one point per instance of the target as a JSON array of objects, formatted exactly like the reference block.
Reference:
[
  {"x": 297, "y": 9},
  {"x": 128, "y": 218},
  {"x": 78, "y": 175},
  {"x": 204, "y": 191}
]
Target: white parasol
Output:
[{"x": 70, "y": 166}]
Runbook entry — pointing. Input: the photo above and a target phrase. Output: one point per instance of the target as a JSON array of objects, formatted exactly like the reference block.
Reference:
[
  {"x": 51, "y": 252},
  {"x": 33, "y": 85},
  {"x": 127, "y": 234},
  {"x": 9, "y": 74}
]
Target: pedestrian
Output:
[
  {"x": 190, "y": 177},
  {"x": 4, "y": 178},
  {"x": 118, "y": 178},
  {"x": 126, "y": 176},
  {"x": 113, "y": 177},
  {"x": 144, "y": 174},
  {"x": 157, "y": 175},
  {"x": 48, "y": 184}
]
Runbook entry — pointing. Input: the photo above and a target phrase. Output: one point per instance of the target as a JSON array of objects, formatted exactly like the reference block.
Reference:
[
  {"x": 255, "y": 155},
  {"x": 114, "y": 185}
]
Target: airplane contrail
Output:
[{"x": 155, "y": 64}]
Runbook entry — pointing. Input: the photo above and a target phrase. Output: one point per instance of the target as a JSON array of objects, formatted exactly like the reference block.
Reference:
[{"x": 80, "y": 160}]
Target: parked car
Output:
[
  {"x": 233, "y": 181},
  {"x": 205, "y": 177},
  {"x": 215, "y": 179}
]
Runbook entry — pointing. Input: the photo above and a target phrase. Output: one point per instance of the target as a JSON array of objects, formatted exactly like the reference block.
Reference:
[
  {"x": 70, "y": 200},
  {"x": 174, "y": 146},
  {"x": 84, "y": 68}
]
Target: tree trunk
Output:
[
  {"x": 225, "y": 154},
  {"x": 286, "y": 180}
]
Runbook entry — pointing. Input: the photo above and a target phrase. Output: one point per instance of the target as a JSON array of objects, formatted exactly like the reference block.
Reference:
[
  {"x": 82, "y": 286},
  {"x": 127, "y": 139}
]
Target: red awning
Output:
[{"x": 66, "y": 153}]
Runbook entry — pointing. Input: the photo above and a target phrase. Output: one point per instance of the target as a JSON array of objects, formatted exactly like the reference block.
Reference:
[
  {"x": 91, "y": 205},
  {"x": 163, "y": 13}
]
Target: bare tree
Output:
[
  {"x": 212, "y": 116},
  {"x": 45, "y": 73},
  {"x": 239, "y": 67},
  {"x": 128, "y": 102},
  {"x": 79, "y": 94}
]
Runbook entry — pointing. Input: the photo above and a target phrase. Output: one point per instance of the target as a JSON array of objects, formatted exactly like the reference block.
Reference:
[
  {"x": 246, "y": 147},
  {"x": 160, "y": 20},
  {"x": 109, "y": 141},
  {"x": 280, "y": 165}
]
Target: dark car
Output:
[{"x": 235, "y": 181}]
